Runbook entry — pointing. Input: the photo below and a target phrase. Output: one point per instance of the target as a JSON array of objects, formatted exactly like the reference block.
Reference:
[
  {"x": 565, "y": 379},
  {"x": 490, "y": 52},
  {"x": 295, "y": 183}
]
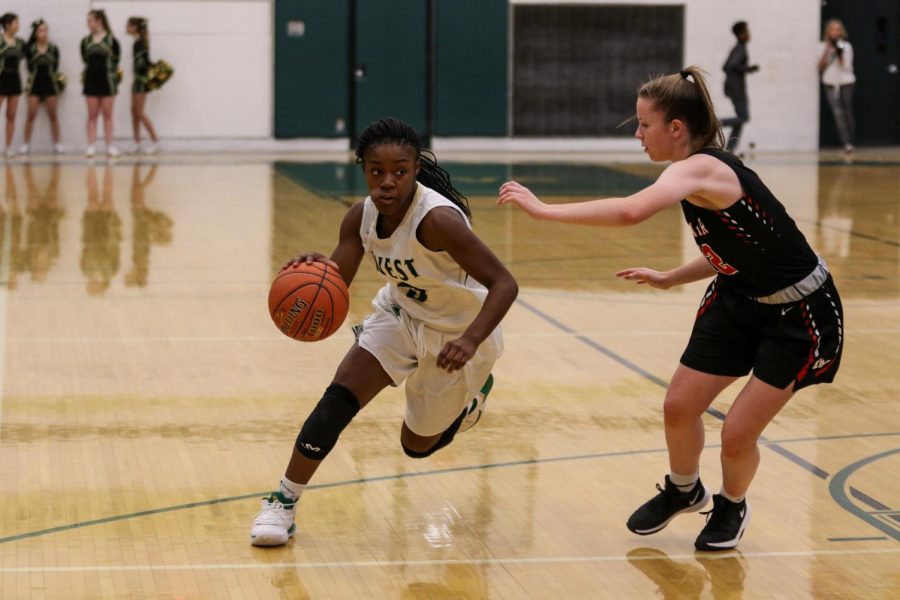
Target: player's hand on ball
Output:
[
  {"x": 309, "y": 258},
  {"x": 513, "y": 192},
  {"x": 456, "y": 353},
  {"x": 643, "y": 275}
]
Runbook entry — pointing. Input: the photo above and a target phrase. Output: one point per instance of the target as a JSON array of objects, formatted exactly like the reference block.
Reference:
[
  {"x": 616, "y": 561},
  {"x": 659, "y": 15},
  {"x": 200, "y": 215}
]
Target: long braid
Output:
[{"x": 394, "y": 131}]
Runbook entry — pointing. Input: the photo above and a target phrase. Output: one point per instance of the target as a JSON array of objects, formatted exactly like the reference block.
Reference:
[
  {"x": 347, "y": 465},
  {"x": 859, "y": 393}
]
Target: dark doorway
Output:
[{"x": 873, "y": 27}]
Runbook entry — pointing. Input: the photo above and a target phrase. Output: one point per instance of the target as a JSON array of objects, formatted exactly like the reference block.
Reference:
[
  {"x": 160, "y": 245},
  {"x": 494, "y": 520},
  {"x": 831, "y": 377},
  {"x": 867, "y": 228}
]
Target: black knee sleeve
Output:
[
  {"x": 443, "y": 441},
  {"x": 325, "y": 423}
]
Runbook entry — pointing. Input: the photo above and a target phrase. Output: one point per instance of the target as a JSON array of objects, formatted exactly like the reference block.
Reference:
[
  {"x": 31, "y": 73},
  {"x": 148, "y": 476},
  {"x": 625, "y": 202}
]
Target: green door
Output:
[
  {"x": 312, "y": 85},
  {"x": 391, "y": 72}
]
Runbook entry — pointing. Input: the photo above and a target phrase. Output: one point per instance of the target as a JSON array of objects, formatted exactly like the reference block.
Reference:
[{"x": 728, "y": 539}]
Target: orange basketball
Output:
[{"x": 308, "y": 302}]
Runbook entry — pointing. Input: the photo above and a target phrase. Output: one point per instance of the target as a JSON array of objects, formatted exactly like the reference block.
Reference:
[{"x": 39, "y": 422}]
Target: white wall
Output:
[
  {"x": 784, "y": 94},
  {"x": 221, "y": 51}
]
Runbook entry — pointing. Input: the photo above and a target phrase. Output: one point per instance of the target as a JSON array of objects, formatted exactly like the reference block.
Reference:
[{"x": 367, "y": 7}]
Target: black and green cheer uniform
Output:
[
  {"x": 101, "y": 60},
  {"x": 141, "y": 66},
  {"x": 42, "y": 67},
  {"x": 10, "y": 55}
]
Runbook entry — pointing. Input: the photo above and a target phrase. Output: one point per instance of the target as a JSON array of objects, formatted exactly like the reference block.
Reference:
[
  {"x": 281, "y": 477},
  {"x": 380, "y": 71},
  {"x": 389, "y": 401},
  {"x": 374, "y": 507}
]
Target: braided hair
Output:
[{"x": 394, "y": 131}]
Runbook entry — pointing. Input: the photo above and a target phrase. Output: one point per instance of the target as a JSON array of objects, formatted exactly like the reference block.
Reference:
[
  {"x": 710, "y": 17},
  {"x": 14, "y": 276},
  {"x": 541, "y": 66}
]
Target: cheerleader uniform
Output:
[
  {"x": 42, "y": 67},
  {"x": 10, "y": 55},
  {"x": 101, "y": 60},
  {"x": 773, "y": 308},
  {"x": 141, "y": 66}
]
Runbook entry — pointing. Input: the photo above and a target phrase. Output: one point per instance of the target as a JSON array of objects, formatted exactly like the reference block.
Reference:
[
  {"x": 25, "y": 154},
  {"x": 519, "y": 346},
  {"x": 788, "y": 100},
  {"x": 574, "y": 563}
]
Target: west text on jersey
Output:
[{"x": 402, "y": 269}]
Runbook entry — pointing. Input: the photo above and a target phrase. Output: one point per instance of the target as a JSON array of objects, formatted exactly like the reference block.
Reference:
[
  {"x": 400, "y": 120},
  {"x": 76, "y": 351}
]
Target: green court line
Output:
[{"x": 394, "y": 477}]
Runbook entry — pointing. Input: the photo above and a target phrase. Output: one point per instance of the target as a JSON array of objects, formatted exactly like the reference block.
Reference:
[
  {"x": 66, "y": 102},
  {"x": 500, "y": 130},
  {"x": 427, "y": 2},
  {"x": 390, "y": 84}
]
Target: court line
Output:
[
  {"x": 795, "y": 458},
  {"x": 837, "y": 487},
  {"x": 391, "y": 477},
  {"x": 5, "y": 267},
  {"x": 854, "y": 232},
  {"x": 512, "y": 561}
]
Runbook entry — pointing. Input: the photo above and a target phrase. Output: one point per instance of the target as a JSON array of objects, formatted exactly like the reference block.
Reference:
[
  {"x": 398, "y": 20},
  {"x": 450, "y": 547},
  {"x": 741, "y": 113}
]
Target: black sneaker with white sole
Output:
[
  {"x": 670, "y": 502},
  {"x": 725, "y": 524}
]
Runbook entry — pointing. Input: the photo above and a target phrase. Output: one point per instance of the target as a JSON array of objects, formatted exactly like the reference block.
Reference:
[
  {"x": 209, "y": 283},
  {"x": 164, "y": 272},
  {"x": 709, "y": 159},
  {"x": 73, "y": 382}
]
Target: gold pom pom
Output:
[{"x": 158, "y": 74}]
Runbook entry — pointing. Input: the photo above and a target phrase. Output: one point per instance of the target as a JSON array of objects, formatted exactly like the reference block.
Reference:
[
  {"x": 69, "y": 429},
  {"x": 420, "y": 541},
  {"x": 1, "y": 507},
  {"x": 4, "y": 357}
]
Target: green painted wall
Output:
[
  {"x": 471, "y": 67},
  {"x": 391, "y": 49},
  {"x": 311, "y": 70},
  {"x": 313, "y": 88}
]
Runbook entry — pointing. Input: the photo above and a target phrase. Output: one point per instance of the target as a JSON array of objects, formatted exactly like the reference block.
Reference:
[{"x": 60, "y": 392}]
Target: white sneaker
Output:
[
  {"x": 478, "y": 405},
  {"x": 136, "y": 149},
  {"x": 113, "y": 152},
  {"x": 151, "y": 149},
  {"x": 24, "y": 149},
  {"x": 58, "y": 149},
  {"x": 10, "y": 153},
  {"x": 90, "y": 151},
  {"x": 274, "y": 525}
]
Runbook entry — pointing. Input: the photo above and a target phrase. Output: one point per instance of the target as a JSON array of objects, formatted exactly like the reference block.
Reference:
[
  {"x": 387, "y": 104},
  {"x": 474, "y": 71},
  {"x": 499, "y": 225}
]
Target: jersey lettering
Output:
[
  {"x": 394, "y": 267},
  {"x": 716, "y": 261},
  {"x": 699, "y": 229}
]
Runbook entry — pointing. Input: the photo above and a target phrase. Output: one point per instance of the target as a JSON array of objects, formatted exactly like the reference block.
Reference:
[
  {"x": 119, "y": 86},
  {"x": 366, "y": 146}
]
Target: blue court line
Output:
[
  {"x": 820, "y": 473},
  {"x": 837, "y": 487},
  {"x": 866, "y": 499},
  {"x": 796, "y": 459},
  {"x": 853, "y": 232}
]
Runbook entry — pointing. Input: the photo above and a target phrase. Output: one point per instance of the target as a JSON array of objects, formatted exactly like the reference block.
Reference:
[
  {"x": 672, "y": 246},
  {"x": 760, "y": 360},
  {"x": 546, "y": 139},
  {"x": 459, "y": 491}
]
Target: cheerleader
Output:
[
  {"x": 100, "y": 52},
  {"x": 12, "y": 50},
  {"x": 43, "y": 84},
  {"x": 137, "y": 27}
]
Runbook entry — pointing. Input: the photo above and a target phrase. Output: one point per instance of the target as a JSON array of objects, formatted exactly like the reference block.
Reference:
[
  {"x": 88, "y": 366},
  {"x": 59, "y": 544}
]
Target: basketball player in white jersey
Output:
[{"x": 434, "y": 325}]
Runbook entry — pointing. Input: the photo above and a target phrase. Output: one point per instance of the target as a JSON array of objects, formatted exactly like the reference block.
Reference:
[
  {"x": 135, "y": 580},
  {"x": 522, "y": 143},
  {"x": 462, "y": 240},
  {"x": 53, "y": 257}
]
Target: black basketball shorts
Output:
[{"x": 800, "y": 342}]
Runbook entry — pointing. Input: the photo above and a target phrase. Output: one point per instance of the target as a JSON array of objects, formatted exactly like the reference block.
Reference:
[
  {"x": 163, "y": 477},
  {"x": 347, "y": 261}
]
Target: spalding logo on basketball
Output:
[{"x": 309, "y": 301}]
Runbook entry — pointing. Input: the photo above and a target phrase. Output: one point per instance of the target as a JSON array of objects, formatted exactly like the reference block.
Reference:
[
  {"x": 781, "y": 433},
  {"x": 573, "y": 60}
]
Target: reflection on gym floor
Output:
[{"x": 147, "y": 400}]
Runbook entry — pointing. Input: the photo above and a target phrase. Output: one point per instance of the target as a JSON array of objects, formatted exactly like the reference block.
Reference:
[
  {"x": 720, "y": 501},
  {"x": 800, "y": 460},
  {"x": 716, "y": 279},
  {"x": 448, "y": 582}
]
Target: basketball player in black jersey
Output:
[{"x": 772, "y": 308}]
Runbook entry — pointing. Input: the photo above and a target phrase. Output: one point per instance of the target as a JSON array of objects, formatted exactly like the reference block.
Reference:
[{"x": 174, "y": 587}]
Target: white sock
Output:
[
  {"x": 735, "y": 499},
  {"x": 290, "y": 489},
  {"x": 684, "y": 483}
]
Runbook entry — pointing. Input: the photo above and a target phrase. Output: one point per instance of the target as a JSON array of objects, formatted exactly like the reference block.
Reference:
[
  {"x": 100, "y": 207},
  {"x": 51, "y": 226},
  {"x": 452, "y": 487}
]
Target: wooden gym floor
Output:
[{"x": 148, "y": 402}]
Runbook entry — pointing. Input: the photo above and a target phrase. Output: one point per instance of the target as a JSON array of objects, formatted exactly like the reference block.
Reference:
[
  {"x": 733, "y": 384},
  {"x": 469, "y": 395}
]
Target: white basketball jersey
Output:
[{"x": 428, "y": 285}]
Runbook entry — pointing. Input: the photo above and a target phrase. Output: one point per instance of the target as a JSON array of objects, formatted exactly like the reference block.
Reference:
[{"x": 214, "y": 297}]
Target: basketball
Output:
[{"x": 308, "y": 302}]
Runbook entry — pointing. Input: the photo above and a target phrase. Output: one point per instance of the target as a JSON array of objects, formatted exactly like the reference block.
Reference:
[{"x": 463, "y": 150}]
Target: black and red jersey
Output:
[{"x": 754, "y": 244}]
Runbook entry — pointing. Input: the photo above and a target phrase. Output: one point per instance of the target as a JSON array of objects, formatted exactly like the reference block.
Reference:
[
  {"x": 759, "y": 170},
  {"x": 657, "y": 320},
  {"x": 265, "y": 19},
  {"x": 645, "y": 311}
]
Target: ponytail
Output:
[
  {"x": 685, "y": 96},
  {"x": 32, "y": 39},
  {"x": 140, "y": 25}
]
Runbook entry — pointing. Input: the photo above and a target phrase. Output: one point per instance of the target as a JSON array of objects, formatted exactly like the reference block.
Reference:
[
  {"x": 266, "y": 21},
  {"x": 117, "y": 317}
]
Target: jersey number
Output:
[
  {"x": 417, "y": 294},
  {"x": 716, "y": 261}
]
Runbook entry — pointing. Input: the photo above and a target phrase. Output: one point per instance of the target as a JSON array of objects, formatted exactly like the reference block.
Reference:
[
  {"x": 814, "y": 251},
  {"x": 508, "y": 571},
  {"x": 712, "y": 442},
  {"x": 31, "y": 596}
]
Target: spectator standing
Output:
[{"x": 836, "y": 67}]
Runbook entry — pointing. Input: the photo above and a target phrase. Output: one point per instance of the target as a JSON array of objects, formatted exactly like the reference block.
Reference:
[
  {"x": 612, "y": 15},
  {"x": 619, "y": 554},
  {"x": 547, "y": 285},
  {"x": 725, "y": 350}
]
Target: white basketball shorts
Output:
[{"x": 407, "y": 350}]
